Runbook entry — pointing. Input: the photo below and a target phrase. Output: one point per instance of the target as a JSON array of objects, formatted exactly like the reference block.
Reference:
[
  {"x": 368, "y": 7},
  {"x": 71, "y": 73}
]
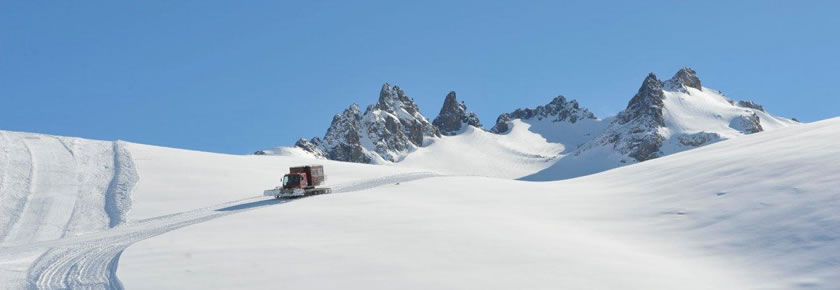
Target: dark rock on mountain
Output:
[
  {"x": 698, "y": 139},
  {"x": 634, "y": 131},
  {"x": 646, "y": 104},
  {"x": 685, "y": 77},
  {"x": 751, "y": 105},
  {"x": 312, "y": 146},
  {"x": 747, "y": 124},
  {"x": 342, "y": 140},
  {"x": 390, "y": 128},
  {"x": 395, "y": 125},
  {"x": 502, "y": 124},
  {"x": 558, "y": 110},
  {"x": 453, "y": 116}
]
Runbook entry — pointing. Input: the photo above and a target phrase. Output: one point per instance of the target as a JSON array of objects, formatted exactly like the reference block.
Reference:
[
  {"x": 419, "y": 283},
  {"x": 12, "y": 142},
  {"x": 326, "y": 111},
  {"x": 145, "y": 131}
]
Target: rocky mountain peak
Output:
[
  {"x": 393, "y": 98},
  {"x": 558, "y": 110},
  {"x": 390, "y": 129},
  {"x": 685, "y": 77},
  {"x": 635, "y": 130},
  {"x": 453, "y": 115},
  {"x": 648, "y": 102},
  {"x": 342, "y": 139}
]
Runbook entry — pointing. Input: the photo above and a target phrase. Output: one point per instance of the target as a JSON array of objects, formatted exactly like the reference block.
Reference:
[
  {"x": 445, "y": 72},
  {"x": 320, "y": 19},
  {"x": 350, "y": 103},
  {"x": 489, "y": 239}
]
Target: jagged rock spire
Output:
[
  {"x": 388, "y": 129},
  {"x": 648, "y": 102},
  {"x": 644, "y": 116},
  {"x": 392, "y": 99},
  {"x": 453, "y": 115},
  {"x": 685, "y": 77},
  {"x": 342, "y": 139}
]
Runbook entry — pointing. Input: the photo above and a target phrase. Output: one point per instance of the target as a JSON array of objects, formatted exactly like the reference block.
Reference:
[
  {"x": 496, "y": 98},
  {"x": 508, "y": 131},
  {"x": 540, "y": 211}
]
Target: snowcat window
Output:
[{"x": 291, "y": 180}]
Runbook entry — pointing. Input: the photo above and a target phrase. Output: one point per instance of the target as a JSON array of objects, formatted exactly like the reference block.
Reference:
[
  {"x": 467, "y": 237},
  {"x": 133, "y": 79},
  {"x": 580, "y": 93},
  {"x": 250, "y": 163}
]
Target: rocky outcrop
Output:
[
  {"x": 453, "y": 116},
  {"x": 502, "y": 124},
  {"x": 747, "y": 124},
  {"x": 698, "y": 139},
  {"x": 558, "y": 110},
  {"x": 751, "y": 105},
  {"x": 684, "y": 78},
  {"x": 635, "y": 130},
  {"x": 312, "y": 146},
  {"x": 342, "y": 141}
]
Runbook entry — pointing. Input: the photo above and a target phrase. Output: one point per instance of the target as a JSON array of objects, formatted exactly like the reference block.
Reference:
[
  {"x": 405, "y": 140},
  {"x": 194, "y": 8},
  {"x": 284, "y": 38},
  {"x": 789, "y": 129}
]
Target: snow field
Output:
[{"x": 756, "y": 212}]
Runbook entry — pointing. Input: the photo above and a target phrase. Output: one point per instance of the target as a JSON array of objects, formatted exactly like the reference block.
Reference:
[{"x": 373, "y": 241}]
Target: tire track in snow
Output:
[
  {"x": 16, "y": 190},
  {"x": 48, "y": 205},
  {"x": 90, "y": 261}
]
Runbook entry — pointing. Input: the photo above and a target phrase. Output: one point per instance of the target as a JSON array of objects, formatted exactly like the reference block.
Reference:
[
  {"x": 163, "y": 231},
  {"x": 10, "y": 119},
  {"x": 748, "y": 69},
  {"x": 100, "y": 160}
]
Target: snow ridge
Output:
[{"x": 118, "y": 195}]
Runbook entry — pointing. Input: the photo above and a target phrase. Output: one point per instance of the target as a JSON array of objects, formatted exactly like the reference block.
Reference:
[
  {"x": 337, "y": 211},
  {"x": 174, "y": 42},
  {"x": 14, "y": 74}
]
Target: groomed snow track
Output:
[{"x": 88, "y": 258}]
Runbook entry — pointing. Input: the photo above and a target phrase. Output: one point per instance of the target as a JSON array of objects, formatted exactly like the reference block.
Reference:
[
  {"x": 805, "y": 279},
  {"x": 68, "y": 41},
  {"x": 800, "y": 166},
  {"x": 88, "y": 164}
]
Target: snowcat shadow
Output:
[{"x": 255, "y": 204}]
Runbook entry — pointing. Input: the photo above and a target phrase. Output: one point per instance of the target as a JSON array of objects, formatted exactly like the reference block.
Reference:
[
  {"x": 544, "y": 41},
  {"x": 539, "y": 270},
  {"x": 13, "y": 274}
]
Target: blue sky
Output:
[{"x": 237, "y": 76}]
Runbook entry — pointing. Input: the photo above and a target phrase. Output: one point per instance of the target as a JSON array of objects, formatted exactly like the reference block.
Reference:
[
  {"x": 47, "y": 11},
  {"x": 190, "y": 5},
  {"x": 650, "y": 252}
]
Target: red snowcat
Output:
[{"x": 301, "y": 181}]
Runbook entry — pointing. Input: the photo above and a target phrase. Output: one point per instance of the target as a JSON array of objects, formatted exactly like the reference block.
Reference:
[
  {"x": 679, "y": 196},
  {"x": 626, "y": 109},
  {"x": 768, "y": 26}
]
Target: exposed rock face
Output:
[
  {"x": 646, "y": 105},
  {"x": 685, "y": 77},
  {"x": 453, "y": 116},
  {"x": 558, "y": 110},
  {"x": 394, "y": 125},
  {"x": 751, "y": 105},
  {"x": 635, "y": 130},
  {"x": 747, "y": 124},
  {"x": 698, "y": 139},
  {"x": 390, "y": 129},
  {"x": 312, "y": 146},
  {"x": 342, "y": 140},
  {"x": 502, "y": 124}
]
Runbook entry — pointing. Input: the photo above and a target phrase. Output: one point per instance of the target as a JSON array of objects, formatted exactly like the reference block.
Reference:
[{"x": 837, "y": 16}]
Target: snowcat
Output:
[{"x": 301, "y": 181}]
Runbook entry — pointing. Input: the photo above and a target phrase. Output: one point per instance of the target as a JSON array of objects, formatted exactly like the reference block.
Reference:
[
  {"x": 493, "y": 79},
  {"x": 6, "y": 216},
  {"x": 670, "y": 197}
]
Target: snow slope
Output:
[
  {"x": 56, "y": 188},
  {"x": 67, "y": 215},
  {"x": 756, "y": 212},
  {"x": 517, "y": 153}
]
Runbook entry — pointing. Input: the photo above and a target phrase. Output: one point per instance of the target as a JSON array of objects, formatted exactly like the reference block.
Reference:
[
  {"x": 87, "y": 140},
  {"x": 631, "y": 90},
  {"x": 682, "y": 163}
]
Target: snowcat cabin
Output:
[
  {"x": 312, "y": 175},
  {"x": 293, "y": 181}
]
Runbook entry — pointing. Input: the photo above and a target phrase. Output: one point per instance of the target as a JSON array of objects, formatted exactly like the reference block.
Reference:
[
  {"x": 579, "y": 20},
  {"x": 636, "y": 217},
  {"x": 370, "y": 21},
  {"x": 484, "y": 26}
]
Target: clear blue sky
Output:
[{"x": 237, "y": 76}]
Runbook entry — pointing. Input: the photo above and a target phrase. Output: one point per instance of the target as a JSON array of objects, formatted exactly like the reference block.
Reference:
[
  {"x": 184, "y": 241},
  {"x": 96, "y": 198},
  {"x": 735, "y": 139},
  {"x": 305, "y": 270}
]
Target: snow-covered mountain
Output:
[
  {"x": 661, "y": 119},
  {"x": 386, "y": 131},
  {"x": 561, "y": 139}
]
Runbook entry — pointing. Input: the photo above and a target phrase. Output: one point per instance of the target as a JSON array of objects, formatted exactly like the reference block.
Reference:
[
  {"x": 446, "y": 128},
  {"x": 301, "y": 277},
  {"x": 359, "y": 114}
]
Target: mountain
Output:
[
  {"x": 453, "y": 116},
  {"x": 558, "y": 140},
  {"x": 386, "y": 131},
  {"x": 661, "y": 119}
]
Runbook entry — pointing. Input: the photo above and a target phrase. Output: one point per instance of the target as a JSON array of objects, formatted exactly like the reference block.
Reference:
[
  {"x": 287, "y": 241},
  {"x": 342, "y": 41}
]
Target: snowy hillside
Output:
[
  {"x": 757, "y": 212},
  {"x": 754, "y": 212},
  {"x": 58, "y": 188}
]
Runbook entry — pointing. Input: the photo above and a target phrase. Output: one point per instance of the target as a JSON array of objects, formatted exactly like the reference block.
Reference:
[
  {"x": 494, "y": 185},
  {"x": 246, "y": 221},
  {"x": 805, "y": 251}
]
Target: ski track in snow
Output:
[{"x": 90, "y": 261}]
